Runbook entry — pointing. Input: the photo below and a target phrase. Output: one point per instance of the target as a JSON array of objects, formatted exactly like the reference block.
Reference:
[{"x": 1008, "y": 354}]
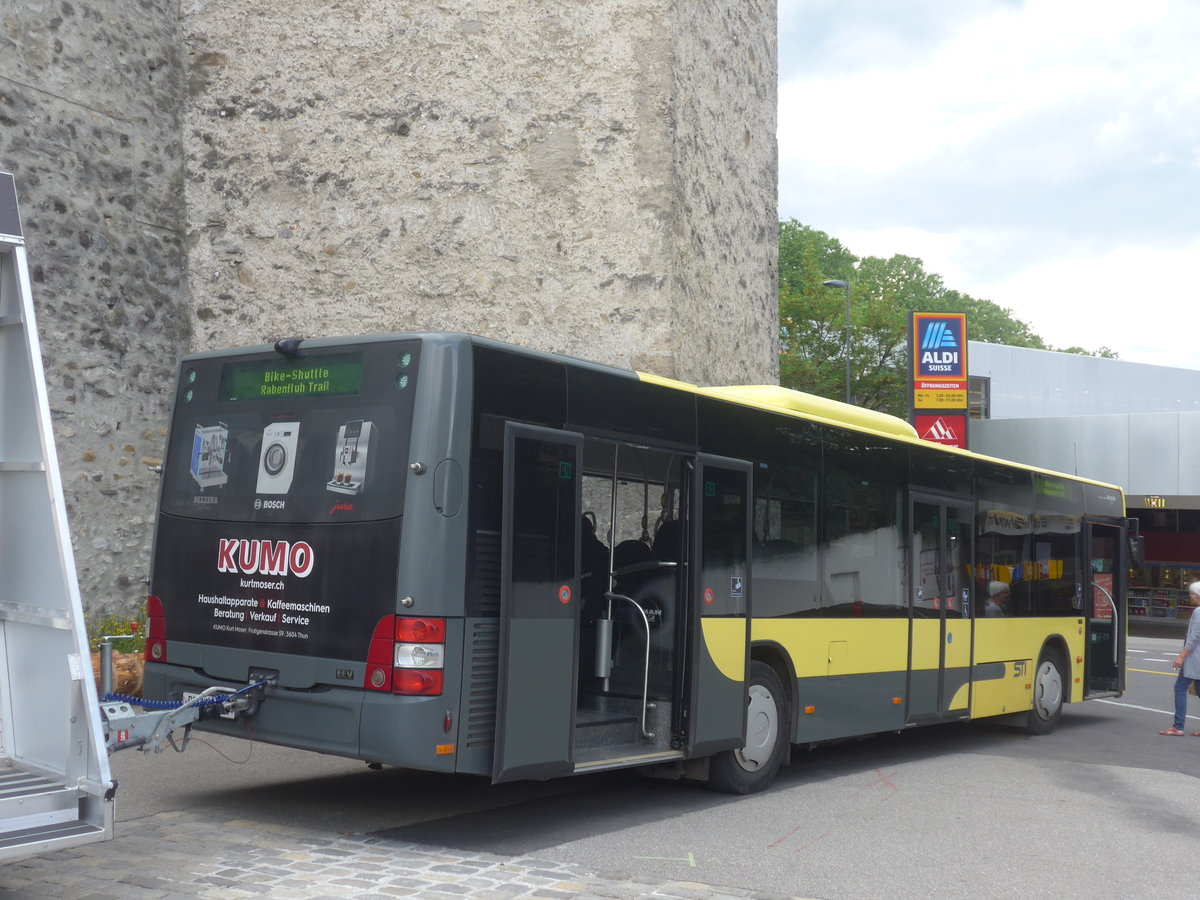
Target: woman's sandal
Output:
[{"x": 1174, "y": 731}]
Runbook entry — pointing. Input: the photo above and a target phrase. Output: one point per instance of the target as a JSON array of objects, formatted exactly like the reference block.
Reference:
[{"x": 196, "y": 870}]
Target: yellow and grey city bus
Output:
[{"x": 451, "y": 554}]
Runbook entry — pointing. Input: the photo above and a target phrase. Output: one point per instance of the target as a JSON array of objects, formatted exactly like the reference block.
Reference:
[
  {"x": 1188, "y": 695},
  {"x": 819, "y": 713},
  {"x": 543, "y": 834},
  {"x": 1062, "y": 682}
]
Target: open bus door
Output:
[
  {"x": 539, "y": 604},
  {"x": 1105, "y": 573},
  {"x": 719, "y": 597}
]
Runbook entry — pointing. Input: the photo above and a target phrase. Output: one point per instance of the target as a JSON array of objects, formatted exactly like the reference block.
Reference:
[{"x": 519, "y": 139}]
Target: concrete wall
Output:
[
  {"x": 596, "y": 179},
  {"x": 1148, "y": 454},
  {"x": 1043, "y": 383}
]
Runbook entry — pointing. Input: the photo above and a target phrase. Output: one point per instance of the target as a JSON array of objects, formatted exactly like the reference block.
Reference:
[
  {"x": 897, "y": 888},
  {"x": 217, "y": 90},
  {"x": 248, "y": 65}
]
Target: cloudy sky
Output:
[{"x": 1044, "y": 154}]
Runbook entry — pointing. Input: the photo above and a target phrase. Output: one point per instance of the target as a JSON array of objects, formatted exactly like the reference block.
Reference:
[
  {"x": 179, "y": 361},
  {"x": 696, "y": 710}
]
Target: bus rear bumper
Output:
[{"x": 340, "y": 721}]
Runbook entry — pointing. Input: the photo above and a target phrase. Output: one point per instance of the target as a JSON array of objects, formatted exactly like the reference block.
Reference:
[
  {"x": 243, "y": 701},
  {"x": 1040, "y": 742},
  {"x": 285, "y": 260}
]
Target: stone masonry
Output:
[
  {"x": 596, "y": 179},
  {"x": 90, "y": 104}
]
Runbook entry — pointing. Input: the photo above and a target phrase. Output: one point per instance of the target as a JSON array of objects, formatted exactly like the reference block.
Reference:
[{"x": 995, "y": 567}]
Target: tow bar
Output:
[{"x": 151, "y": 727}]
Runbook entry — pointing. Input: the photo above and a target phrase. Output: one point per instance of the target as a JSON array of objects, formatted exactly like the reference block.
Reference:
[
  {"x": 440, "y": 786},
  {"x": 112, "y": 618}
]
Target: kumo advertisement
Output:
[{"x": 315, "y": 590}]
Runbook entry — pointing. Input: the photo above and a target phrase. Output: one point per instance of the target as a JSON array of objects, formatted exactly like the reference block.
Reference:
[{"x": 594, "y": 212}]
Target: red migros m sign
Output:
[{"x": 937, "y": 345}]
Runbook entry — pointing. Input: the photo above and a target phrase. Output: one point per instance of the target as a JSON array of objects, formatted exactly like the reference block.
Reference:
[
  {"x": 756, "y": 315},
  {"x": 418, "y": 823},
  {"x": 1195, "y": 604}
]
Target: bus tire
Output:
[
  {"x": 753, "y": 767},
  {"x": 1049, "y": 686}
]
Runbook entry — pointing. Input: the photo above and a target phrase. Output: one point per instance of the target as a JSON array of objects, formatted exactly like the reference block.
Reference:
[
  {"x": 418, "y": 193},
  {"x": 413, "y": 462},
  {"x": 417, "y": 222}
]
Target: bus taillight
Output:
[
  {"x": 407, "y": 656},
  {"x": 378, "y": 676},
  {"x": 416, "y": 681},
  {"x": 424, "y": 631},
  {"x": 419, "y": 656},
  {"x": 156, "y": 631}
]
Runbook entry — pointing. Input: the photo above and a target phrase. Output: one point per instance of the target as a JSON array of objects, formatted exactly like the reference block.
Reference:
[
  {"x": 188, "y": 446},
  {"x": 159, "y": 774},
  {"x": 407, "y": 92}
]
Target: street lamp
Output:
[{"x": 846, "y": 286}]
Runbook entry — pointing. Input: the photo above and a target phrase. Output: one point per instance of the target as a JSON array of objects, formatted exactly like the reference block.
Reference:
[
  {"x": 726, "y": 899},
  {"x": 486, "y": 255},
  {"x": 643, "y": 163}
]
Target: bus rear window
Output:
[{"x": 321, "y": 437}]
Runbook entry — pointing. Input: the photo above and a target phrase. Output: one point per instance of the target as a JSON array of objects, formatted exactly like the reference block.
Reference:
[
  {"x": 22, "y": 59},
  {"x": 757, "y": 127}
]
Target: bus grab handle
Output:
[{"x": 646, "y": 668}]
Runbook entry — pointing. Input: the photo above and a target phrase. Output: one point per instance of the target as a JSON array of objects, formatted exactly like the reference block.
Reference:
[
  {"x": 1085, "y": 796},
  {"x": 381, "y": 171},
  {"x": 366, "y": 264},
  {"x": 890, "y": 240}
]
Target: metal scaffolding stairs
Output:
[{"x": 55, "y": 785}]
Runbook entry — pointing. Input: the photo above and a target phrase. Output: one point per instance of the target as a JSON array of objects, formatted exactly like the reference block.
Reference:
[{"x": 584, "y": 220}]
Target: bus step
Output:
[
  {"x": 626, "y": 757},
  {"x": 594, "y": 728}
]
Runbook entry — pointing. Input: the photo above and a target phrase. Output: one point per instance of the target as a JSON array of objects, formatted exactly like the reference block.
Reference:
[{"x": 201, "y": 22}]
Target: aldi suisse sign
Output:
[
  {"x": 937, "y": 345},
  {"x": 939, "y": 352}
]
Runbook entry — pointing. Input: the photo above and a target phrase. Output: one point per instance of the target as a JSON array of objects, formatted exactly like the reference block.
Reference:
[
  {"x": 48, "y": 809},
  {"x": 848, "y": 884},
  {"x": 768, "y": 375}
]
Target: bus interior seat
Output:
[
  {"x": 631, "y": 552},
  {"x": 666, "y": 541}
]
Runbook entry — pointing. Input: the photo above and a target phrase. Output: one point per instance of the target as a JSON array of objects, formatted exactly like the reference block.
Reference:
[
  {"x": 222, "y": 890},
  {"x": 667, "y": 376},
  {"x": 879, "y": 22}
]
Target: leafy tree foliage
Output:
[{"x": 813, "y": 328}]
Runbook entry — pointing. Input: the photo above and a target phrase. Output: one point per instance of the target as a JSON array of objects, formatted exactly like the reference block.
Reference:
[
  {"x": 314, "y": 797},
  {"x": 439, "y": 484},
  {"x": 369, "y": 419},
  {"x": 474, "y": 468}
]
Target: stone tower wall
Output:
[
  {"x": 90, "y": 100},
  {"x": 596, "y": 179}
]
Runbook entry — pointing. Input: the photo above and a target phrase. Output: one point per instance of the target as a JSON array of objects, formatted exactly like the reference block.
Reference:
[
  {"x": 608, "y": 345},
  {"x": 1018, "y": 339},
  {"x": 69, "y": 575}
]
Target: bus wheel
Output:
[
  {"x": 753, "y": 767},
  {"x": 1047, "y": 694}
]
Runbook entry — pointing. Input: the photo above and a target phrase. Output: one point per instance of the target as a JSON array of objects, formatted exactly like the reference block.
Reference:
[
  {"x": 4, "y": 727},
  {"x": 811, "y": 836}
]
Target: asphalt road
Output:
[{"x": 1103, "y": 807}]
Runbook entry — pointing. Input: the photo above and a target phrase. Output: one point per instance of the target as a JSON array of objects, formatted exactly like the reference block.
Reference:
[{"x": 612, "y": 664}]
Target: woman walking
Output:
[{"x": 1188, "y": 664}]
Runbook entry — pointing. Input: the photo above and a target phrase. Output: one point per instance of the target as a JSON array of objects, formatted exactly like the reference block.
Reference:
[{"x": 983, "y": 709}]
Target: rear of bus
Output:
[{"x": 278, "y": 549}]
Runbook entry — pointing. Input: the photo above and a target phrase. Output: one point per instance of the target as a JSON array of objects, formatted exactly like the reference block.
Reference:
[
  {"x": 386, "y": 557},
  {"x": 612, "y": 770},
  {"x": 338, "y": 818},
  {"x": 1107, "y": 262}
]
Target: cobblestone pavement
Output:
[{"x": 176, "y": 855}]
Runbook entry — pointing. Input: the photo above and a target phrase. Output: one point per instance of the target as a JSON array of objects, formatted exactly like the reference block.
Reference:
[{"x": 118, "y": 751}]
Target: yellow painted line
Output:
[{"x": 1152, "y": 672}]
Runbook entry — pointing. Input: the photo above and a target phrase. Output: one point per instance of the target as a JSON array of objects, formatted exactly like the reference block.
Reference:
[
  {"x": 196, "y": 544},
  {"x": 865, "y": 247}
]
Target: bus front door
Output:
[
  {"x": 719, "y": 597},
  {"x": 539, "y": 604},
  {"x": 939, "y": 668},
  {"x": 1104, "y": 676}
]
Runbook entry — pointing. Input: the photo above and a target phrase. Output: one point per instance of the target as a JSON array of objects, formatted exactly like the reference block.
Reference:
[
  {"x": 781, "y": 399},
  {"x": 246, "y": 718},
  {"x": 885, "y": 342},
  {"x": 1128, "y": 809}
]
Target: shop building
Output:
[{"x": 1130, "y": 424}]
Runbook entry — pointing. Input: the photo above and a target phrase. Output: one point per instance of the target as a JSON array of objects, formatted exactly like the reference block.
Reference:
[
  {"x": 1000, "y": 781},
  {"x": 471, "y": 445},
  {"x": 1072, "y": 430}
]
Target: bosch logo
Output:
[{"x": 265, "y": 557}]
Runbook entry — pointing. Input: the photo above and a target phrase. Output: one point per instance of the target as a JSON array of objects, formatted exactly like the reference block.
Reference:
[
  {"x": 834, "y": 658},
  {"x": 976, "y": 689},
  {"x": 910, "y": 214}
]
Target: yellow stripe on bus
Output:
[
  {"x": 725, "y": 639},
  {"x": 841, "y": 647},
  {"x": 822, "y": 647}
]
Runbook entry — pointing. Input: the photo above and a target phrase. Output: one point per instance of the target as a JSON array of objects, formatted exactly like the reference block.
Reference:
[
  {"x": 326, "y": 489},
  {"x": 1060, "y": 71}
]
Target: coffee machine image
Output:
[
  {"x": 278, "y": 461},
  {"x": 209, "y": 445},
  {"x": 353, "y": 459}
]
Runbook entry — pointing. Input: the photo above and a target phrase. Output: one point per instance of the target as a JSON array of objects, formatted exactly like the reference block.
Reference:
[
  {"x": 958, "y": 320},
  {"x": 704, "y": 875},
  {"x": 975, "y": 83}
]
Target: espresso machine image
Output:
[
  {"x": 353, "y": 460},
  {"x": 208, "y": 455},
  {"x": 278, "y": 461}
]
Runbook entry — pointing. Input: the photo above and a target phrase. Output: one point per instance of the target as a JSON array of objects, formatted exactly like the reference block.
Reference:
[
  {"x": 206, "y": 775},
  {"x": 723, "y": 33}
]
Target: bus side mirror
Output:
[{"x": 1137, "y": 551}]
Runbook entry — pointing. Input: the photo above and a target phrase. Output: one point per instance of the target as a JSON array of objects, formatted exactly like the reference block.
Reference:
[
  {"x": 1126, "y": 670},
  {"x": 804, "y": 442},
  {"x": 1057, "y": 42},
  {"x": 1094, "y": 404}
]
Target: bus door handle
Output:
[
  {"x": 646, "y": 668},
  {"x": 1115, "y": 620}
]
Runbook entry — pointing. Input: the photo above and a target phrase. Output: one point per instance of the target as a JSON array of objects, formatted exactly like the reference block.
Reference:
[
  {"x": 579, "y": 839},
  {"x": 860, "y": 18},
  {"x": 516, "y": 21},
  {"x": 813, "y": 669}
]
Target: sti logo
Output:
[{"x": 941, "y": 345}]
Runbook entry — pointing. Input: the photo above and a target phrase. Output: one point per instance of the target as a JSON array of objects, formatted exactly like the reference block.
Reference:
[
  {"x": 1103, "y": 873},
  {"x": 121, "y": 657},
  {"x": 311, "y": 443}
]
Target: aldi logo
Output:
[
  {"x": 939, "y": 336},
  {"x": 940, "y": 346},
  {"x": 943, "y": 429},
  {"x": 941, "y": 352}
]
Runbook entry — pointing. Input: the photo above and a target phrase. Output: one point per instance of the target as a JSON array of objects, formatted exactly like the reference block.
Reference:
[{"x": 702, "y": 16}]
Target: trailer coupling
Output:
[{"x": 150, "y": 724}]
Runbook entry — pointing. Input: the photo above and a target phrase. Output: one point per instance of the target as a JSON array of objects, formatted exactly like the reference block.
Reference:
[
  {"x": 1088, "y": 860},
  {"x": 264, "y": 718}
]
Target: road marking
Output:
[
  {"x": 1163, "y": 712},
  {"x": 1152, "y": 671},
  {"x": 810, "y": 843},
  {"x": 690, "y": 859},
  {"x": 882, "y": 779}
]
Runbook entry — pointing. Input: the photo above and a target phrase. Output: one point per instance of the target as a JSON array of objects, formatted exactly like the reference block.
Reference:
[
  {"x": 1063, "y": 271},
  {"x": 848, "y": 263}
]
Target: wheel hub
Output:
[
  {"x": 1047, "y": 690},
  {"x": 762, "y": 728}
]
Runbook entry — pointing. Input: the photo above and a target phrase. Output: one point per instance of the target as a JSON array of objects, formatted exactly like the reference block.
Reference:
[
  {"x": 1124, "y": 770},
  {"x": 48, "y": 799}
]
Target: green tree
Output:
[{"x": 882, "y": 293}]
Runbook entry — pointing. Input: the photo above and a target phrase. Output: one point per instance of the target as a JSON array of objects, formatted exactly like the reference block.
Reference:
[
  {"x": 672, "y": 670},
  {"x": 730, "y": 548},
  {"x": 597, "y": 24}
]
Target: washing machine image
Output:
[{"x": 278, "y": 461}]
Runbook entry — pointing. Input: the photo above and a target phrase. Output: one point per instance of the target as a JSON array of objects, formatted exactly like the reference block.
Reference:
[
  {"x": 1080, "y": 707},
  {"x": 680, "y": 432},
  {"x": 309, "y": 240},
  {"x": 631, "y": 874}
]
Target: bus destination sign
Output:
[{"x": 332, "y": 375}]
